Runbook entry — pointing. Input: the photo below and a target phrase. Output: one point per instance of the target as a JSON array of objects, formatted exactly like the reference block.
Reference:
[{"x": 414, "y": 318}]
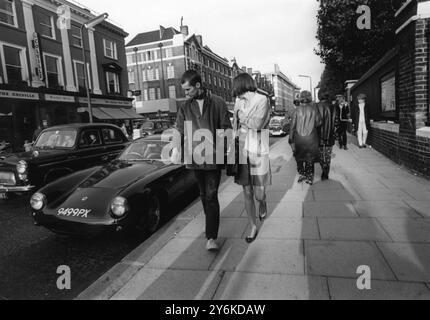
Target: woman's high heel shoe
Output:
[{"x": 252, "y": 239}]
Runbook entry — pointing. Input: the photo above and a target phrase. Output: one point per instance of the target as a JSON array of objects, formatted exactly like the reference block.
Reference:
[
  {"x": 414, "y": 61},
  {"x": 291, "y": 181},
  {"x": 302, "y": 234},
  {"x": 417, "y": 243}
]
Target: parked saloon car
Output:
[
  {"x": 130, "y": 194},
  {"x": 59, "y": 151},
  {"x": 278, "y": 127}
]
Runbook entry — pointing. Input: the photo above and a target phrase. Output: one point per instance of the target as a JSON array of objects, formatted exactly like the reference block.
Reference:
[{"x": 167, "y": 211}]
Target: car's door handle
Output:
[{"x": 72, "y": 157}]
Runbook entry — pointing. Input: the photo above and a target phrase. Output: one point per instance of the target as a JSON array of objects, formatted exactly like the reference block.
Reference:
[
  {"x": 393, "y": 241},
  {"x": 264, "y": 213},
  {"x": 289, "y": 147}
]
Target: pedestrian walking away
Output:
[
  {"x": 304, "y": 139},
  {"x": 205, "y": 111},
  {"x": 342, "y": 120},
  {"x": 361, "y": 120},
  {"x": 326, "y": 134},
  {"x": 251, "y": 119}
]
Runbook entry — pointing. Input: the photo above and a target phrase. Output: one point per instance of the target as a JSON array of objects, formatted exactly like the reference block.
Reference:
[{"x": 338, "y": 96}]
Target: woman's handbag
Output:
[{"x": 233, "y": 169}]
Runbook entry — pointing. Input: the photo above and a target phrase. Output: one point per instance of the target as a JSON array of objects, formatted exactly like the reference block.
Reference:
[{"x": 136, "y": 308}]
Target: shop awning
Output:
[
  {"x": 116, "y": 113},
  {"x": 132, "y": 114},
  {"x": 99, "y": 114}
]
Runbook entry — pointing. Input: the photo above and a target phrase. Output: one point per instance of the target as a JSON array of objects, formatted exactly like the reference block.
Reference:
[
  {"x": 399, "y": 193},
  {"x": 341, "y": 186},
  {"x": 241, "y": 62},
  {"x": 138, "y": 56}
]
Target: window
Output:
[
  {"x": 110, "y": 49},
  {"x": 76, "y": 36},
  {"x": 145, "y": 94},
  {"x": 210, "y": 79},
  {"x": 157, "y": 74},
  {"x": 53, "y": 71},
  {"x": 158, "y": 93},
  {"x": 90, "y": 138},
  {"x": 111, "y": 136},
  {"x": 80, "y": 75},
  {"x": 204, "y": 76},
  {"x": 112, "y": 82},
  {"x": 388, "y": 92},
  {"x": 131, "y": 76},
  {"x": 172, "y": 92},
  {"x": 169, "y": 53},
  {"x": 149, "y": 56},
  {"x": 47, "y": 26},
  {"x": 170, "y": 71},
  {"x": 144, "y": 77},
  {"x": 155, "y": 55},
  {"x": 152, "y": 94},
  {"x": 7, "y": 12},
  {"x": 150, "y": 74},
  {"x": 13, "y": 64},
  {"x": 130, "y": 59}
]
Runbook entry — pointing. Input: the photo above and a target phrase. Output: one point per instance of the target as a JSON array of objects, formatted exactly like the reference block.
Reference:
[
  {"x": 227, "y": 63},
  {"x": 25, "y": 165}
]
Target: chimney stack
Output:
[{"x": 199, "y": 40}]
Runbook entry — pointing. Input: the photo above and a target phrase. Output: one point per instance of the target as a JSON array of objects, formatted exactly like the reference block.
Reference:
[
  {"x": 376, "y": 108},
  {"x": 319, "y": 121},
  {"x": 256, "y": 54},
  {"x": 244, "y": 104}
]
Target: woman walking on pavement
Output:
[
  {"x": 304, "y": 139},
  {"x": 251, "y": 124}
]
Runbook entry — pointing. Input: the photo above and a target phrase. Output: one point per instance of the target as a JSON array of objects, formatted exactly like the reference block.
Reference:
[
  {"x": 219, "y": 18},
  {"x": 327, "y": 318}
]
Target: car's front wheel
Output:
[{"x": 150, "y": 220}]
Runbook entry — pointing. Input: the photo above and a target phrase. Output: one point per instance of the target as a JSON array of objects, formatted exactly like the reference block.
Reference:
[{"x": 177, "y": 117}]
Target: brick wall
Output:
[{"x": 385, "y": 141}]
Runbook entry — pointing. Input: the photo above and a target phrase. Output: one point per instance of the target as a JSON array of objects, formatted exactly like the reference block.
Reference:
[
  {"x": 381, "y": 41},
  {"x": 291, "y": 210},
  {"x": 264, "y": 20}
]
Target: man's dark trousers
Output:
[
  {"x": 209, "y": 181},
  {"x": 342, "y": 134}
]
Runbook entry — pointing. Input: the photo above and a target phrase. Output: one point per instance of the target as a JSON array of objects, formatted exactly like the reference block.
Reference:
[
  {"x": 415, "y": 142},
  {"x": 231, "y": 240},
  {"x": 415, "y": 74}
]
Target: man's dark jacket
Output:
[
  {"x": 327, "y": 129},
  {"x": 215, "y": 116}
]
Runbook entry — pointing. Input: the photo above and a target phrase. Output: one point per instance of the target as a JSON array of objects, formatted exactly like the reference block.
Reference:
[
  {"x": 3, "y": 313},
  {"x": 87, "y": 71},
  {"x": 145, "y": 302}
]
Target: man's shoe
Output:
[{"x": 212, "y": 245}]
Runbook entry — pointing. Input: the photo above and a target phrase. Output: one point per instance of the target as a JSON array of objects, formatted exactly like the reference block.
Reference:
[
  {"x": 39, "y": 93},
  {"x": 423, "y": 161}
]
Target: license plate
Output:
[{"x": 3, "y": 196}]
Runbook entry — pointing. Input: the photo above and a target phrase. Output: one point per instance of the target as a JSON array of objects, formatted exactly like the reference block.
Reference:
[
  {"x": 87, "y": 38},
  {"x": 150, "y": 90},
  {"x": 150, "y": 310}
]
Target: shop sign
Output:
[
  {"x": 118, "y": 103},
  {"x": 38, "y": 54},
  {"x": 59, "y": 98},
  {"x": 19, "y": 95}
]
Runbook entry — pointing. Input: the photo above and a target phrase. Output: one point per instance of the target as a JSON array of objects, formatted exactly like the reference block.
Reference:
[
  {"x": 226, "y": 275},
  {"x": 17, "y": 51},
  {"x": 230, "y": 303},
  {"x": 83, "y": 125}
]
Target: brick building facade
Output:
[
  {"x": 398, "y": 91},
  {"x": 42, "y": 69}
]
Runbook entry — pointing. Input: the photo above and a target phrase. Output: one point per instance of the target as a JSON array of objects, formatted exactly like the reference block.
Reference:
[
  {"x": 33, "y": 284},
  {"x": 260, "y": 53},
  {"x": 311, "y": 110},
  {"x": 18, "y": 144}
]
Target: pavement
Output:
[{"x": 370, "y": 213}]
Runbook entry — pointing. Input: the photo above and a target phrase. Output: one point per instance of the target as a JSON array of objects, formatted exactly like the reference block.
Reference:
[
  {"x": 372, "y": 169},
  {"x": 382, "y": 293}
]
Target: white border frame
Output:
[
  {"x": 75, "y": 73},
  {"x": 114, "y": 49},
  {"x": 54, "y": 31},
  {"x": 117, "y": 83}
]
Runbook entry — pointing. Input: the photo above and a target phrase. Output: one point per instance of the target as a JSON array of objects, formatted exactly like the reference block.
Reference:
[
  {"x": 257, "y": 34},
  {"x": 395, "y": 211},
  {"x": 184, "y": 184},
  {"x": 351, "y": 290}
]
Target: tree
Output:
[
  {"x": 331, "y": 83},
  {"x": 347, "y": 51}
]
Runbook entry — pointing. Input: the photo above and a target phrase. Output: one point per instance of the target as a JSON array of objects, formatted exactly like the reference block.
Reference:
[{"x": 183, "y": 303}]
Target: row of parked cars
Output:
[{"x": 86, "y": 179}]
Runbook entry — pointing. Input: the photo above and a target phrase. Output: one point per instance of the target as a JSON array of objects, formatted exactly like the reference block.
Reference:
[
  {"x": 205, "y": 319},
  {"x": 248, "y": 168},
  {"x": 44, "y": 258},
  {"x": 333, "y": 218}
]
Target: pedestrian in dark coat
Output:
[
  {"x": 304, "y": 139},
  {"x": 342, "y": 120},
  {"x": 204, "y": 112},
  {"x": 327, "y": 134}
]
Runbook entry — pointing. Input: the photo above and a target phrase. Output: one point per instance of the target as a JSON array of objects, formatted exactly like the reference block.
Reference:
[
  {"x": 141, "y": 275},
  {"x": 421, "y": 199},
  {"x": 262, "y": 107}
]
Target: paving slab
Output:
[
  {"x": 254, "y": 286},
  {"x": 422, "y": 207},
  {"x": 283, "y": 210},
  {"x": 384, "y": 209},
  {"x": 329, "y": 210},
  {"x": 383, "y": 194},
  {"x": 233, "y": 210},
  {"x": 410, "y": 262},
  {"x": 229, "y": 228},
  {"x": 184, "y": 253},
  {"x": 159, "y": 284},
  {"x": 341, "y": 259},
  {"x": 418, "y": 194},
  {"x": 346, "y": 289},
  {"x": 289, "y": 196},
  {"x": 407, "y": 230},
  {"x": 338, "y": 195},
  {"x": 262, "y": 256},
  {"x": 351, "y": 229},
  {"x": 291, "y": 228}
]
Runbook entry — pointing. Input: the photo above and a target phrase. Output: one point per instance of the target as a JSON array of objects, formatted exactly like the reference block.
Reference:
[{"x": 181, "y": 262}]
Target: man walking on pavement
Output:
[
  {"x": 204, "y": 110},
  {"x": 326, "y": 134},
  {"x": 342, "y": 119}
]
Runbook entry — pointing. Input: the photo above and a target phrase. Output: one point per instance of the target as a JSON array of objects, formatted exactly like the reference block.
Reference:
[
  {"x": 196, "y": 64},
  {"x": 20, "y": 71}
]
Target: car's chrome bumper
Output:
[{"x": 6, "y": 189}]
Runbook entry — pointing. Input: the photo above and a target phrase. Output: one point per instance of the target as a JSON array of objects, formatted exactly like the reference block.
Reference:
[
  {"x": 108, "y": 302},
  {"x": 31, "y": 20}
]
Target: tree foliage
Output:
[{"x": 347, "y": 51}]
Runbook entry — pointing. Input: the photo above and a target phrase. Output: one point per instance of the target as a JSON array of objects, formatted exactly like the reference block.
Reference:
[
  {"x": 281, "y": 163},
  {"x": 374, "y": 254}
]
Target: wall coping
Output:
[
  {"x": 403, "y": 7},
  {"x": 423, "y": 132},
  {"x": 392, "y": 127}
]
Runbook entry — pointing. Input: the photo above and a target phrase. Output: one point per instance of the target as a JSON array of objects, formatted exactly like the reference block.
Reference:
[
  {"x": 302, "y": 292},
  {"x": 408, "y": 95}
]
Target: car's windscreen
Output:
[
  {"x": 144, "y": 150},
  {"x": 58, "y": 139}
]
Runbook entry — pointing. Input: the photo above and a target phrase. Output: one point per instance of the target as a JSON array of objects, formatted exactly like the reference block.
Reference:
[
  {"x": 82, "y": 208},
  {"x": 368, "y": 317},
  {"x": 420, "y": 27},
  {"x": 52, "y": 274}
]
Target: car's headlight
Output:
[
  {"x": 119, "y": 207},
  {"x": 38, "y": 201},
  {"x": 22, "y": 167}
]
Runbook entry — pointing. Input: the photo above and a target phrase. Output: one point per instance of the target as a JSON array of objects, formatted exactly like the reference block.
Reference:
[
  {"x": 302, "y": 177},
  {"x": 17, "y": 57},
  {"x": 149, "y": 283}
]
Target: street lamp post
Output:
[
  {"x": 163, "y": 95},
  {"x": 90, "y": 24},
  {"x": 310, "y": 79}
]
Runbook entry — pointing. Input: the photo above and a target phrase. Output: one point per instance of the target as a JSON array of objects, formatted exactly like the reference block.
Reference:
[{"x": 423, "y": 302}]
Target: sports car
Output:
[{"x": 130, "y": 194}]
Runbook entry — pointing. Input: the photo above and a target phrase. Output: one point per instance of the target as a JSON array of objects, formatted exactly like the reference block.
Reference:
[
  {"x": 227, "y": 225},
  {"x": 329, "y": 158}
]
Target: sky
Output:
[{"x": 259, "y": 33}]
